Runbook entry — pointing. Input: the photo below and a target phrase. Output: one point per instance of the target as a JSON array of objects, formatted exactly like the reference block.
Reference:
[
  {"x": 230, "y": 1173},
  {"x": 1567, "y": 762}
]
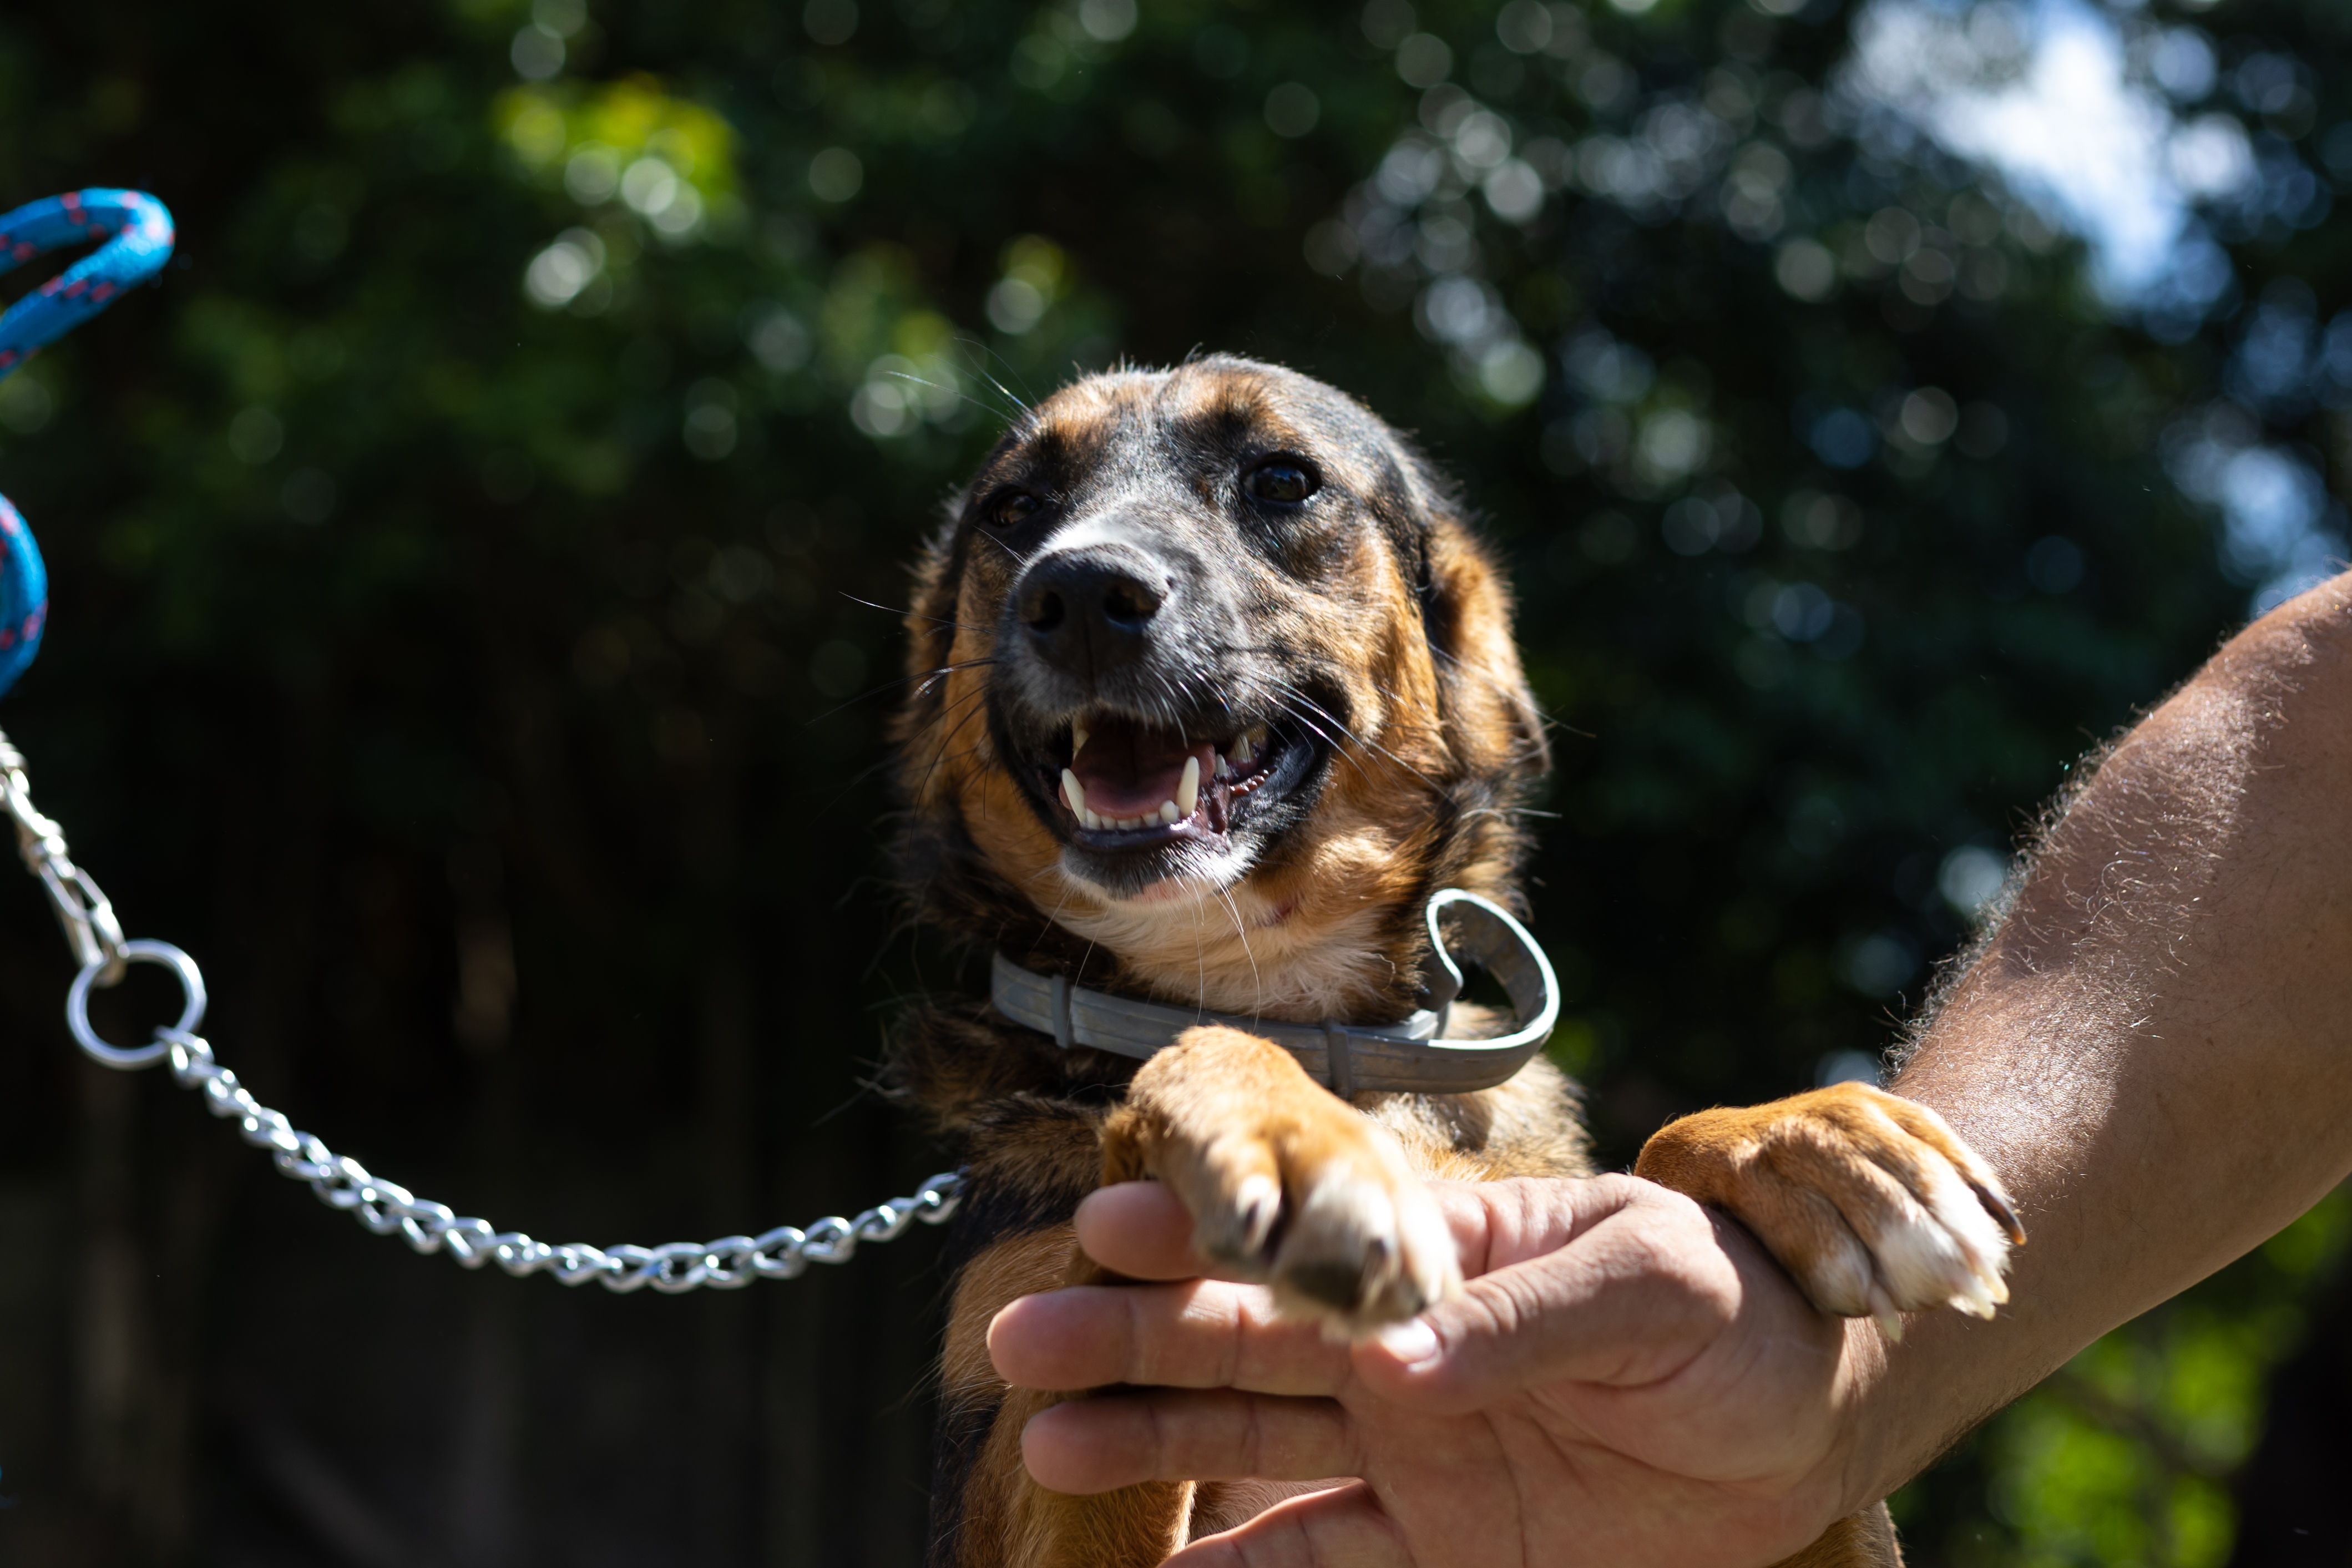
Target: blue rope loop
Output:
[{"x": 137, "y": 232}]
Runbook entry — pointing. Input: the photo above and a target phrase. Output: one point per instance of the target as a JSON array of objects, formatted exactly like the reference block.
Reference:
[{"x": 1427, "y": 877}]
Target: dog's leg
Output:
[
  {"x": 1865, "y": 1540},
  {"x": 1870, "y": 1203},
  {"x": 1875, "y": 1208},
  {"x": 1001, "y": 1518}
]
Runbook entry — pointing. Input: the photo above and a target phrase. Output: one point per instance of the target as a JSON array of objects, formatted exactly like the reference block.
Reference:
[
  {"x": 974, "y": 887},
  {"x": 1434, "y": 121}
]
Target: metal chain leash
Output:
[{"x": 343, "y": 1182}]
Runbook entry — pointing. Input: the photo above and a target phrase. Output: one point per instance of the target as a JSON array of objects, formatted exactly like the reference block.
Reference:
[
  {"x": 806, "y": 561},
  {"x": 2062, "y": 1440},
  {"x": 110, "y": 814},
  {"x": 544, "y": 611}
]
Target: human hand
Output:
[{"x": 1625, "y": 1379}]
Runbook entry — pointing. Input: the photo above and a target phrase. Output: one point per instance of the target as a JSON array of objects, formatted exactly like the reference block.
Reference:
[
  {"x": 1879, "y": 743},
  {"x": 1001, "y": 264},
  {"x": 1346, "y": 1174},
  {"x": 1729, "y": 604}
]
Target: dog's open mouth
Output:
[{"x": 1126, "y": 785}]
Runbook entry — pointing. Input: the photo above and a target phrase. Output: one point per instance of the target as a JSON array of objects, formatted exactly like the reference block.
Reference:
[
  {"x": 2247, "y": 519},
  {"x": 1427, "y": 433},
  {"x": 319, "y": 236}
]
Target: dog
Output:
[{"x": 1212, "y": 688}]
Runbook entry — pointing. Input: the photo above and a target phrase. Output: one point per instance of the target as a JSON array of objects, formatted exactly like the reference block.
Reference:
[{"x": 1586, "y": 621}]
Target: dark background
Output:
[{"x": 471, "y": 660}]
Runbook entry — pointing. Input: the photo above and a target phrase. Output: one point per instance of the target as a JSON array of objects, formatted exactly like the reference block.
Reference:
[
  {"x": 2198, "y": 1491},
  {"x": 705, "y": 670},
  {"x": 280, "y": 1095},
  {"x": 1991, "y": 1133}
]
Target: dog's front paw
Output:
[
  {"x": 1286, "y": 1183},
  {"x": 1868, "y": 1200}
]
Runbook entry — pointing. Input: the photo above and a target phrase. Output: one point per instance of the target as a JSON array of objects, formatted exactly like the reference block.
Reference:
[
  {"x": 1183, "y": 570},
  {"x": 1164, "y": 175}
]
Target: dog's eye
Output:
[
  {"x": 1282, "y": 480},
  {"x": 1012, "y": 507}
]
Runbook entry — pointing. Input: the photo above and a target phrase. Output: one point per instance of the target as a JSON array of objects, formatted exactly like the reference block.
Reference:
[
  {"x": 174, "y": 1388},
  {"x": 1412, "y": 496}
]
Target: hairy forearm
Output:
[{"x": 2151, "y": 1049}]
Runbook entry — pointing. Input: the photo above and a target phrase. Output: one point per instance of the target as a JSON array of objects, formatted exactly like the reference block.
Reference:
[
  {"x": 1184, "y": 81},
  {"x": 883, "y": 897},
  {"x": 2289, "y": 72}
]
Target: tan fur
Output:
[
  {"x": 1298, "y": 939},
  {"x": 1864, "y": 1540},
  {"x": 1234, "y": 1127},
  {"x": 1870, "y": 1203},
  {"x": 1820, "y": 1177}
]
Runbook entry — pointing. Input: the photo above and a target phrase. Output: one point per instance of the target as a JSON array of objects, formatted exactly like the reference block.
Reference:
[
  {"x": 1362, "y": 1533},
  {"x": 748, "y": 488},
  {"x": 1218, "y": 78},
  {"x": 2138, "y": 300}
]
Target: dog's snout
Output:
[{"x": 1089, "y": 614}]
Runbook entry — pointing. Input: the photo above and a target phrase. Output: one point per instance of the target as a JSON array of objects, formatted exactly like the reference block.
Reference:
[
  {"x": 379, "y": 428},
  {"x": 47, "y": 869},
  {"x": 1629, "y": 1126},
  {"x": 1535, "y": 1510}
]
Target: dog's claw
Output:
[
  {"x": 1258, "y": 1201},
  {"x": 1997, "y": 1205}
]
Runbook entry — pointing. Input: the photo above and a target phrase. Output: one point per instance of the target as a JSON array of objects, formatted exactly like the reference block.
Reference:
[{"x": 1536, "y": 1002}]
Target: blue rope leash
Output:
[{"x": 137, "y": 236}]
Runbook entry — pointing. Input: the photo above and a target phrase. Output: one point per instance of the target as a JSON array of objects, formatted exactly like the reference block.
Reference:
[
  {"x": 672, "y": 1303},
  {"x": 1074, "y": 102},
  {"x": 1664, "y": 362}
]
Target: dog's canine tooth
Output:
[
  {"x": 1187, "y": 790},
  {"x": 1169, "y": 813},
  {"x": 1078, "y": 741},
  {"x": 1074, "y": 795}
]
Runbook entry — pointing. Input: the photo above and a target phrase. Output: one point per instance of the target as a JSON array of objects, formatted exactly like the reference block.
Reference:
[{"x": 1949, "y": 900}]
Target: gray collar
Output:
[{"x": 1407, "y": 1057}]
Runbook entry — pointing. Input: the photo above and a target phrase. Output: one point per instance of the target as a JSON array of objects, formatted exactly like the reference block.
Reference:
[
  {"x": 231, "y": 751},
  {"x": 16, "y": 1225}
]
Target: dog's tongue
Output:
[{"x": 1128, "y": 770}]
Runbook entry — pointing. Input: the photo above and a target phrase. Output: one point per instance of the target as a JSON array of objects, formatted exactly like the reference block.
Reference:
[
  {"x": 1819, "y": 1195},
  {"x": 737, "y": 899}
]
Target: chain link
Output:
[{"x": 385, "y": 1207}]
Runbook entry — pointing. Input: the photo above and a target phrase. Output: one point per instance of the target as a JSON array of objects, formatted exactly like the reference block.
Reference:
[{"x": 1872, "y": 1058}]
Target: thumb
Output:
[{"x": 1629, "y": 1301}]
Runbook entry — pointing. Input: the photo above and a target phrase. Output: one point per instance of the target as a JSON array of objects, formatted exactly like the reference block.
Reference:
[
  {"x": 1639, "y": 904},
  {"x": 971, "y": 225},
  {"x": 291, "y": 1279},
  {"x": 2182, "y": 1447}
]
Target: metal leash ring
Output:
[{"x": 191, "y": 1008}]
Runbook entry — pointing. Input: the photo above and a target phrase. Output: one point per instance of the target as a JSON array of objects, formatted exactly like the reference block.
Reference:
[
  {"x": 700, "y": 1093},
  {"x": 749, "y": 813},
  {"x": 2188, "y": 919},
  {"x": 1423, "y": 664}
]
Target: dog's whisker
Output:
[
  {"x": 909, "y": 614},
  {"x": 1517, "y": 696},
  {"x": 956, "y": 392},
  {"x": 939, "y": 755},
  {"x": 1241, "y": 933},
  {"x": 926, "y": 679},
  {"x": 1324, "y": 713},
  {"x": 971, "y": 343},
  {"x": 1018, "y": 559}
]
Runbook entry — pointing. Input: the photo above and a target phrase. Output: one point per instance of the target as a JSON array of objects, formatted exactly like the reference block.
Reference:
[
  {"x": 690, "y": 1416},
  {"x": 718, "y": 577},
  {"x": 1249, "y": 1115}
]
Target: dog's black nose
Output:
[{"x": 1089, "y": 614}]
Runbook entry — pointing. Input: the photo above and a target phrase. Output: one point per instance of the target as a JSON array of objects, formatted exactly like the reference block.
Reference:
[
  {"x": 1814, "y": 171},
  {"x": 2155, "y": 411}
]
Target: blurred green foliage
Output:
[{"x": 473, "y": 573}]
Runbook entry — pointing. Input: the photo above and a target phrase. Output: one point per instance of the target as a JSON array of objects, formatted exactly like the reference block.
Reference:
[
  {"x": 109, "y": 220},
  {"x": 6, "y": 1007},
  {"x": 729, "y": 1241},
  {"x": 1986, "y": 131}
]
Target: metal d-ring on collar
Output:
[{"x": 1350, "y": 1059}]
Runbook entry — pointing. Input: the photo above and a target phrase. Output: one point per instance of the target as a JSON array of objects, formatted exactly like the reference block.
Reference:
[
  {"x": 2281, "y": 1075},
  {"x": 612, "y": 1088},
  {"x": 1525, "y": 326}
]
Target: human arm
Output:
[
  {"x": 2152, "y": 1047},
  {"x": 2147, "y": 1051}
]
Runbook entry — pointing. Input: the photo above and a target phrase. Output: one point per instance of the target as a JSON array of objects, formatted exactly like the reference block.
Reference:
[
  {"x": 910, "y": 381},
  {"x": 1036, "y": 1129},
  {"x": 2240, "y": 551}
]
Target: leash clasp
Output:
[{"x": 83, "y": 910}]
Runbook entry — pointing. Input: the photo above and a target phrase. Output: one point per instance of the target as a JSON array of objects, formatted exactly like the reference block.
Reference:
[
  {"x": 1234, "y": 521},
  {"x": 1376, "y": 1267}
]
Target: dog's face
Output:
[{"x": 1206, "y": 662}]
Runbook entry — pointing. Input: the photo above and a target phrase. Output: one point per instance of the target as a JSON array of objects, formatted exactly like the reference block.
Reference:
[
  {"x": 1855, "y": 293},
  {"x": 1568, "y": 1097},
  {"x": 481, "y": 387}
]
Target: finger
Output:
[
  {"x": 1142, "y": 1230},
  {"x": 1200, "y": 1334},
  {"x": 1090, "y": 1446},
  {"x": 1630, "y": 1302},
  {"x": 1345, "y": 1525},
  {"x": 1139, "y": 1229}
]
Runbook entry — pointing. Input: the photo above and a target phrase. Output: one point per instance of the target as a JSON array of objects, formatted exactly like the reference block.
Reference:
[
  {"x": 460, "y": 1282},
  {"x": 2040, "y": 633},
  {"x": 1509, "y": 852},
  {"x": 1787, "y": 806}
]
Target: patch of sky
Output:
[
  {"x": 2127, "y": 130},
  {"x": 2103, "y": 123}
]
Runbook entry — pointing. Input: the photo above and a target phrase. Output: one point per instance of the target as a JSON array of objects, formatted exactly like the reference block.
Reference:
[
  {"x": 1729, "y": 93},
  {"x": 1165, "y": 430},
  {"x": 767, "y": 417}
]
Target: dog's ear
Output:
[{"x": 1490, "y": 714}]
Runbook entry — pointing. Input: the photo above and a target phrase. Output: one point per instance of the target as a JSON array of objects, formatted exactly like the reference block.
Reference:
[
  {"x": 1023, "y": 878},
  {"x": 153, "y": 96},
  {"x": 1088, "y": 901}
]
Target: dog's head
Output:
[{"x": 1211, "y": 679}]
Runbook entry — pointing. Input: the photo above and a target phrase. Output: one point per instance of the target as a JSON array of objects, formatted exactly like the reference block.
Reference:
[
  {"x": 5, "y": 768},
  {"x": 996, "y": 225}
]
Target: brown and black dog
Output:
[{"x": 1213, "y": 688}]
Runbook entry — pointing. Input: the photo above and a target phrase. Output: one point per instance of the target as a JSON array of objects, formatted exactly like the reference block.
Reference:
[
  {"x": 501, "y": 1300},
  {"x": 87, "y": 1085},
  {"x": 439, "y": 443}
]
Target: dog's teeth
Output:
[
  {"x": 1099, "y": 824},
  {"x": 1169, "y": 813},
  {"x": 1225, "y": 768},
  {"x": 1243, "y": 754},
  {"x": 1074, "y": 795},
  {"x": 1078, "y": 741},
  {"x": 1129, "y": 824},
  {"x": 1188, "y": 791}
]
